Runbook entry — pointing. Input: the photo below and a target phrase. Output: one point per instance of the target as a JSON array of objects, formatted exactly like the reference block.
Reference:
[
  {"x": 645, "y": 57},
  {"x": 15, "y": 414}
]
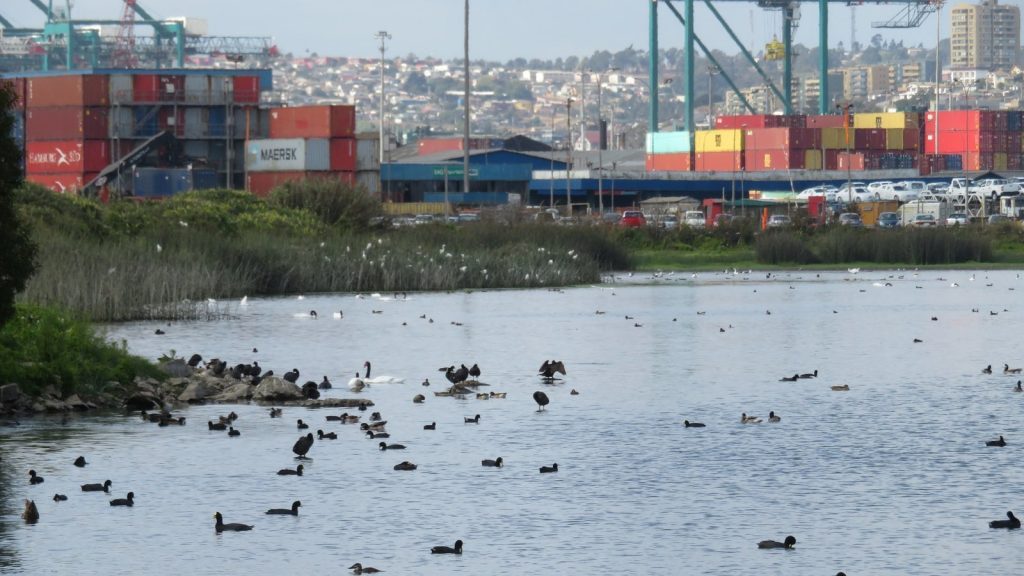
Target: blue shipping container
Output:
[
  {"x": 145, "y": 122},
  {"x": 162, "y": 182},
  {"x": 218, "y": 122}
]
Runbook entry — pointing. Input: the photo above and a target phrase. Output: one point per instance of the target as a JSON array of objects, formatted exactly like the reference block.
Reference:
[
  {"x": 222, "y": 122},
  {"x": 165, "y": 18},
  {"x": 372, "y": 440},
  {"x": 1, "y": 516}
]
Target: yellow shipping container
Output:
[
  {"x": 411, "y": 208},
  {"x": 835, "y": 138},
  {"x": 812, "y": 160},
  {"x": 999, "y": 161},
  {"x": 894, "y": 139},
  {"x": 719, "y": 140},
  {"x": 885, "y": 120}
]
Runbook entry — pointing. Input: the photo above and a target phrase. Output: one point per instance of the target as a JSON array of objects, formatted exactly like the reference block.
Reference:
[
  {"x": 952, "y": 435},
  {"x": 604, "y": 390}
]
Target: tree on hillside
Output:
[{"x": 17, "y": 255}]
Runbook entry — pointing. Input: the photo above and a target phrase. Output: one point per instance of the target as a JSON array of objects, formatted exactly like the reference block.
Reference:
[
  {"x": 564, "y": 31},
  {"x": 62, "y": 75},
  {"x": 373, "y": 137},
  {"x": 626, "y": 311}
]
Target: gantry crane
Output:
[
  {"x": 912, "y": 14},
  {"x": 66, "y": 41}
]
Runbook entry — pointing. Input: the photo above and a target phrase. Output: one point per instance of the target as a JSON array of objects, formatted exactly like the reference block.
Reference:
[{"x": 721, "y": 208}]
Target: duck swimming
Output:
[
  {"x": 788, "y": 544},
  {"x": 1012, "y": 522},
  {"x": 689, "y": 424},
  {"x": 446, "y": 550},
  {"x": 80, "y": 461},
  {"x": 105, "y": 487},
  {"x": 549, "y": 469},
  {"x": 496, "y": 463},
  {"x": 293, "y": 511},
  {"x": 431, "y": 426},
  {"x": 473, "y": 420},
  {"x": 357, "y": 568},
  {"x": 386, "y": 446},
  {"x": 773, "y": 418},
  {"x": 406, "y": 465},
  {"x": 330, "y": 435},
  {"x": 792, "y": 378},
  {"x": 290, "y": 472},
  {"x": 744, "y": 419},
  {"x": 220, "y": 526},
  {"x": 987, "y": 369},
  {"x": 843, "y": 388},
  {"x": 1018, "y": 388},
  {"x": 127, "y": 501},
  {"x": 34, "y": 478},
  {"x": 999, "y": 442}
]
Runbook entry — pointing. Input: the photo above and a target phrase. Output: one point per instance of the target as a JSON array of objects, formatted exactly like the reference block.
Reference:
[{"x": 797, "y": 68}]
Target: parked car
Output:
[
  {"x": 958, "y": 218},
  {"x": 998, "y": 218},
  {"x": 694, "y": 219},
  {"x": 851, "y": 219},
  {"x": 888, "y": 220},
  {"x": 611, "y": 217},
  {"x": 779, "y": 221},
  {"x": 924, "y": 220},
  {"x": 829, "y": 192},
  {"x": 723, "y": 220},
  {"x": 905, "y": 191},
  {"x": 854, "y": 194},
  {"x": 423, "y": 219},
  {"x": 670, "y": 223},
  {"x": 469, "y": 217},
  {"x": 633, "y": 219}
]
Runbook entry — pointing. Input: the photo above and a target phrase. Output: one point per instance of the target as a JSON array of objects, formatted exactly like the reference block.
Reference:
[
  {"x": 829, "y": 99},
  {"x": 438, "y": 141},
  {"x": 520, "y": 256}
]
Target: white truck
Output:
[{"x": 961, "y": 188}]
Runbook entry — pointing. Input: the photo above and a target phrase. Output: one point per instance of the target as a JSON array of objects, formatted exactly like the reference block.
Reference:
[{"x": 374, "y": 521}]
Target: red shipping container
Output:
[
  {"x": 952, "y": 141},
  {"x": 911, "y": 139},
  {"x": 1013, "y": 142},
  {"x": 343, "y": 155},
  {"x": 782, "y": 139},
  {"x": 313, "y": 122},
  {"x": 171, "y": 87},
  {"x": 435, "y": 145},
  {"x": 171, "y": 122},
  {"x": 61, "y": 183},
  {"x": 768, "y": 160},
  {"x": 829, "y": 121},
  {"x": 718, "y": 161},
  {"x": 957, "y": 119},
  {"x": 1013, "y": 162},
  {"x": 839, "y": 160},
  {"x": 145, "y": 87},
  {"x": 247, "y": 91},
  {"x": 66, "y": 156},
  {"x": 678, "y": 162},
  {"x": 76, "y": 90},
  {"x": 67, "y": 123},
  {"x": 760, "y": 121},
  {"x": 869, "y": 139},
  {"x": 262, "y": 183}
]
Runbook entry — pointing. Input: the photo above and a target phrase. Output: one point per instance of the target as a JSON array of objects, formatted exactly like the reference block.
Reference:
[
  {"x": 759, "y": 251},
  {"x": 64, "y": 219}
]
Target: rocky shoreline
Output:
[{"x": 184, "y": 386}]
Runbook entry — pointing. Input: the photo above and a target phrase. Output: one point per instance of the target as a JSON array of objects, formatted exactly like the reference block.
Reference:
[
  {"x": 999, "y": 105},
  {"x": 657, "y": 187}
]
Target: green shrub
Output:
[{"x": 333, "y": 202}]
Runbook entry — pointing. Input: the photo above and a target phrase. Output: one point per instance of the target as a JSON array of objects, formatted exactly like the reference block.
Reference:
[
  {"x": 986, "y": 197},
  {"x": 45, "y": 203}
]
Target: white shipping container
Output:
[
  {"x": 197, "y": 122},
  {"x": 367, "y": 153},
  {"x": 221, "y": 89},
  {"x": 197, "y": 89},
  {"x": 288, "y": 155},
  {"x": 120, "y": 89}
]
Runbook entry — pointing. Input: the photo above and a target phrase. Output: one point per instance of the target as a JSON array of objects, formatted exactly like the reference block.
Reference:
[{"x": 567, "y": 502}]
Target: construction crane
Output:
[
  {"x": 64, "y": 41},
  {"x": 913, "y": 13}
]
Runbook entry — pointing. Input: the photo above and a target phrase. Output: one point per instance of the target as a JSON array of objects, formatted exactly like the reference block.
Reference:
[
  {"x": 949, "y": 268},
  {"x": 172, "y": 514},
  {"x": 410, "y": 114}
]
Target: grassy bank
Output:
[{"x": 44, "y": 347}]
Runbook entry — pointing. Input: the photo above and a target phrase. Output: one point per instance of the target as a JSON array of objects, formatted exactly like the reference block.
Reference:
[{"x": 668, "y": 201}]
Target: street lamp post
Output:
[
  {"x": 568, "y": 157},
  {"x": 712, "y": 70},
  {"x": 465, "y": 120},
  {"x": 383, "y": 36},
  {"x": 846, "y": 130}
]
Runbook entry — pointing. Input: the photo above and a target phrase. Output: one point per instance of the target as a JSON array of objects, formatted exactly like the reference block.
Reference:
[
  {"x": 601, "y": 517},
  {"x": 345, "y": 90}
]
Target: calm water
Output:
[{"x": 891, "y": 477}]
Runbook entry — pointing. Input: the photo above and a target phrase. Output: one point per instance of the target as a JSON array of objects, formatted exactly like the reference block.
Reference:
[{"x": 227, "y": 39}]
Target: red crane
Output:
[{"x": 124, "y": 49}]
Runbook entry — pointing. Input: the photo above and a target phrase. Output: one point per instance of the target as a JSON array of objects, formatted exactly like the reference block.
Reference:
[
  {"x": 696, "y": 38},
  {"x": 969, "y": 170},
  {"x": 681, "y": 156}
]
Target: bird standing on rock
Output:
[{"x": 291, "y": 376}]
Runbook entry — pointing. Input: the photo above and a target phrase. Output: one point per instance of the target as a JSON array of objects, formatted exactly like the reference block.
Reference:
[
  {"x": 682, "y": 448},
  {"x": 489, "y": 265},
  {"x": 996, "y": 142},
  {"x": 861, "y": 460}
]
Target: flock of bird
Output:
[{"x": 374, "y": 428}]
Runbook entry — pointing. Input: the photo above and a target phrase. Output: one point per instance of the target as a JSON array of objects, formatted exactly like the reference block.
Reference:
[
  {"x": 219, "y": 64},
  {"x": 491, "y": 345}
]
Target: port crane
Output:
[
  {"x": 911, "y": 15},
  {"x": 66, "y": 42}
]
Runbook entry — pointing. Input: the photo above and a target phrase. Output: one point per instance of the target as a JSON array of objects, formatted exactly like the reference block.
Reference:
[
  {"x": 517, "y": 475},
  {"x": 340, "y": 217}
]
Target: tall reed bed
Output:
[{"x": 104, "y": 264}]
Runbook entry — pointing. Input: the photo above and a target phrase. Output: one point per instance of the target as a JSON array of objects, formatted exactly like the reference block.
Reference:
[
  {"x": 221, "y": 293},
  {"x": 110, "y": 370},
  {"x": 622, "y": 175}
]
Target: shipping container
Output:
[
  {"x": 718, "y": 141},
  {"x": 427, "y": 146},
  {"x": 343, "y": 155},
  {"x": 367, "y": 152},
  {"x": 222, "y": 89},
  {"x": 262, "y": 183},
  {"x": 246, "y": 90},
  {"x": 868, "y": 139},
  {"x": 958, "y": 141},
  {"x": 669, "y": 142},
  {"x": 121, "y": 89},
  {"x": 67, "y": 123},
  {"x": 196, "y": 123},
  {"x": 999, "y": 161},
  {"x": 197, "y": 151},
  {"x": 249, "y": 120},
  {"x": 769, "y": 160},
  {"x": 368, "y": 181},
  {"x": 61, "y": 183},
  {"x": 288, "y": 155},
  {"x": 65, "y": 157},
  {"x": 678, "y": 162},
  {"x": 73, "y": 90},
  {"x": 312, "y": 121},
  {"x": 840, "y": 160},
  {"x": 171, "y": 119},
  {"x": 162, "y": 182},
  {"x": 886, "y": 120},
  {"x": 837, "y": 138},
  {"x": 197, "y": 90},
  {"x": 145, "y": 121},
  {"x": 812, "y": 160},
  {"x": 781, "y": 139},
  {"x": 829, "y": 121},
  {"x": 718, "y": 161},
  {"x": 761, "y": 121}
]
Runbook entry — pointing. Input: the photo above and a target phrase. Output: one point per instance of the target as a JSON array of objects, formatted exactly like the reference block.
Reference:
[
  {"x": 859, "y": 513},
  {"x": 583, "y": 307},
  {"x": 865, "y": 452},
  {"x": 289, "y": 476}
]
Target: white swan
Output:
[{"x": 379, "y": 379}]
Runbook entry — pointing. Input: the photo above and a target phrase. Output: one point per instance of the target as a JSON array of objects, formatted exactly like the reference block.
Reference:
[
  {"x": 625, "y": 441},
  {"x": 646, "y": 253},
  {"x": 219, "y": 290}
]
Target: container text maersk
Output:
[{"x": 279, "y": 154}]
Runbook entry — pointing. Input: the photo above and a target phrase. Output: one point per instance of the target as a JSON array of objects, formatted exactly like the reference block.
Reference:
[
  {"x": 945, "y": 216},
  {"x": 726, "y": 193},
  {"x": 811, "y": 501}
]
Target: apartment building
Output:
[{"x": 985, "y": 36}]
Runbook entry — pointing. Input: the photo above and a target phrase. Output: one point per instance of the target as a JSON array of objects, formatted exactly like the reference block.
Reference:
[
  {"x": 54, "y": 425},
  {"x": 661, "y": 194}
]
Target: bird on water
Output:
[
  {"x": 80, "y": 461},
  {"x": 549, "y": 368},
  {"x": 999, "y": 442},
  {"x": 549, "y": 469},
  {"x": 689, "y": 424},
  {"x": 457, "y": 549},
  {"x": 1012, "y": 522},
  {"x": 220, "y": 526},
  {"x": 129, "y": 500},
  {"x": 541, "y": 399},
  {"x": 290, "y": 472},
  {"x": 105, "y": 487},
  {"x": 496, "y": 463},
  {"x": 358, "y": 568},
  {"x": 787, "y": 544},
  {"x": 34, "y": 478},
  {"x": 293, "y": 511},
  {"x": 302, "y": 445}
]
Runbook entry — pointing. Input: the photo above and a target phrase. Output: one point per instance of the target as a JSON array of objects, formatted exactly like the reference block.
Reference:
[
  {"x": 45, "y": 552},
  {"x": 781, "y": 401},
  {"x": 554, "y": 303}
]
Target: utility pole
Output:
[
  {"x": 568, "y": 158},
  {"x": 383, "y": 36},
  {"x": 465, "y": 122}
]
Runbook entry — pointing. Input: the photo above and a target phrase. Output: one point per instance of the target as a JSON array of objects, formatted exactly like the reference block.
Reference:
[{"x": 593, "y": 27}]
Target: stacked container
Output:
[
  {"x": 984, "y": 139},
  {"x": 768, "y": 149},
  {"x": 669, "y": 152},
  {"x": 719, "y": 150},
  {"x": 305, "y": 142}
]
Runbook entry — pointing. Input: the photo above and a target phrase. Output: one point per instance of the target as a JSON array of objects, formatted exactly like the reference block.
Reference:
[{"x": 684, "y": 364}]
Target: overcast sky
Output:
[{"x": 500, "y": 30}]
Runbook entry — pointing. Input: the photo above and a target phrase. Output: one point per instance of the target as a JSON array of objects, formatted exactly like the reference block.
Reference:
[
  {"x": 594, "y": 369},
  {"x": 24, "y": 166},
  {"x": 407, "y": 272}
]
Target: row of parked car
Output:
[{"x": 956, "y": 190}]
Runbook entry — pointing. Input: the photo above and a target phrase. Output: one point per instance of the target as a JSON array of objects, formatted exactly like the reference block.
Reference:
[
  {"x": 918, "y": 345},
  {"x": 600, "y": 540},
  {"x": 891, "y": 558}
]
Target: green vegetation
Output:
[
  {"x": 909, "y": 246},
  {"x": 17, "y": 254},
  {"x": 43, "y": 347},
  {"x": 166, "y": 259}
]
